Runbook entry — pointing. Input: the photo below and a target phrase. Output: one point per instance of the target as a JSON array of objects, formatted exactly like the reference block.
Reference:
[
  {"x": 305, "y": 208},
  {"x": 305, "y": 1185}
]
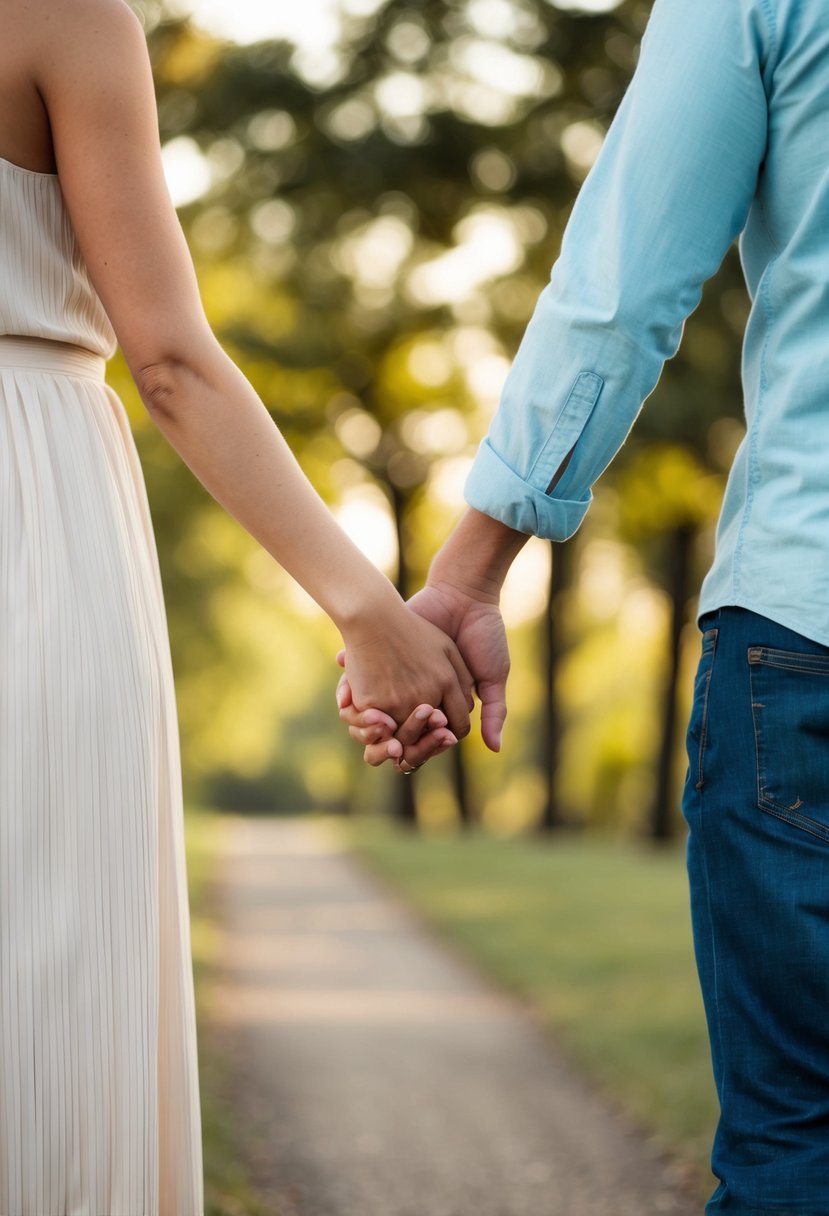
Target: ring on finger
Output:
[{"x": 411, "y": 768}]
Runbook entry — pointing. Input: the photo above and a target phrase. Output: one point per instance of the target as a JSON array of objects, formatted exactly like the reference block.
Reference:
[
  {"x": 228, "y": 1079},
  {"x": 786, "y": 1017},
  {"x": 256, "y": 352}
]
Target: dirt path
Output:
[{"x": 379, "y": 1076}]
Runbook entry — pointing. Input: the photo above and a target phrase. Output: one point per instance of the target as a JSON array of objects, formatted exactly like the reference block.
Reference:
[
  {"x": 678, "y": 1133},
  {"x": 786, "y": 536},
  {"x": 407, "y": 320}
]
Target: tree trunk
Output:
[
  {"x": 552, "y": 650},
  {"x": 460, "y": 785},
  {"x": 662, "y": 821}
]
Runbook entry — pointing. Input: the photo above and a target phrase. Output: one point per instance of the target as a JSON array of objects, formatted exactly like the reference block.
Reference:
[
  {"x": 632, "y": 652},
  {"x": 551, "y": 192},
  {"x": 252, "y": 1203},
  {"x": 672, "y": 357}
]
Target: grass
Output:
[
  {"x": 227, "y": 1190},
  {"x": 596, "y": 934}
]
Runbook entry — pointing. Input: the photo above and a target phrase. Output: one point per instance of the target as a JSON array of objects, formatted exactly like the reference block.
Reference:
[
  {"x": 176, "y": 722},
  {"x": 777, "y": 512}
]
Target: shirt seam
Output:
[
  {"x": 753, "y": 470},
  {"x": 774, "y": 43}
]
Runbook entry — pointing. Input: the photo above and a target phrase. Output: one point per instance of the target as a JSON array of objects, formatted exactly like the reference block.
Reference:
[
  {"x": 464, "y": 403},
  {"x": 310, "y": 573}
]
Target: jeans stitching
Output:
[
  {"x": 789, "y": 660},
  {"x": 708, "y": 650},
  {"x": 715, "y": 967},
  {"x": 799, "y": 821}
]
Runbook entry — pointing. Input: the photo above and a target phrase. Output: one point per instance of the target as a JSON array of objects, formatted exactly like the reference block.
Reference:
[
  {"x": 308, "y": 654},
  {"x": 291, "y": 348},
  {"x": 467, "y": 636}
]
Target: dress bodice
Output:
[{"x": 45, "y": 288}]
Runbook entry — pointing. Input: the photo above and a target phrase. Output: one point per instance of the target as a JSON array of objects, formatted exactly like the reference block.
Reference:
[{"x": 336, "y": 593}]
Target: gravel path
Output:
[{"x": 378, "y": 1075}]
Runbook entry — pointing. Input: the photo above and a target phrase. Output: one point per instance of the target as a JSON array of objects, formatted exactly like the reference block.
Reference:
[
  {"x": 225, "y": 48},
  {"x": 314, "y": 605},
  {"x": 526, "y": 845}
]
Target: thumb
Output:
[
  {"x": 493, "y": 694},
  {"x": 344, "y": 697}
]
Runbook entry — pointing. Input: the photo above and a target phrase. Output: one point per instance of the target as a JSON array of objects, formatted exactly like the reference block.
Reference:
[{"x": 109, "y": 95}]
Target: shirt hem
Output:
[{"x": 734, "y": 600}]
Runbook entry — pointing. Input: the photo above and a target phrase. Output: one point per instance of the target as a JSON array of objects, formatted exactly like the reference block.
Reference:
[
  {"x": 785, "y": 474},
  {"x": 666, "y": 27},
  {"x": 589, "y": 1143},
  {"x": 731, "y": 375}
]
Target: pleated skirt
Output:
[{"x": 99, "y": 1095}]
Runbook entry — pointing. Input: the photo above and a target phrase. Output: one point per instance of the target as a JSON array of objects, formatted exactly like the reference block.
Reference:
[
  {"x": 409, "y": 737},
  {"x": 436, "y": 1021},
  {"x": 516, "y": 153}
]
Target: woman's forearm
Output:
[{"x": 211, "y": 415}]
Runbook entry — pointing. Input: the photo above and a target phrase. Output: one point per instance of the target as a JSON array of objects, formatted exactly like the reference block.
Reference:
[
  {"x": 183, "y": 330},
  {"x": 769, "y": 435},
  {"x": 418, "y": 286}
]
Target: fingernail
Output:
[
  {"x": 340, "y": 696},
  {"x": 423, "y": 713}
]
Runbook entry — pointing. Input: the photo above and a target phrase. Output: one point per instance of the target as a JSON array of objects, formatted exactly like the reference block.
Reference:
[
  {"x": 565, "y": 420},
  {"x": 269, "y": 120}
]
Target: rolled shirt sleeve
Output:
[{"x": 668, "y": 193}]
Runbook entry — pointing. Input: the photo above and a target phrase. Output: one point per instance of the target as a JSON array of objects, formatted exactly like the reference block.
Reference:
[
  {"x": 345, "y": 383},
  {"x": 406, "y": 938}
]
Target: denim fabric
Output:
[
  {"x": 722, "y": 132},
  {"x": 756, "y": 800}
]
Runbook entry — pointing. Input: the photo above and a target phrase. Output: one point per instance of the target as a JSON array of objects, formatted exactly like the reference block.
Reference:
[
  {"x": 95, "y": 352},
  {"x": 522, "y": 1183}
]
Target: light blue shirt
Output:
[{"x": 723, "y": 131}]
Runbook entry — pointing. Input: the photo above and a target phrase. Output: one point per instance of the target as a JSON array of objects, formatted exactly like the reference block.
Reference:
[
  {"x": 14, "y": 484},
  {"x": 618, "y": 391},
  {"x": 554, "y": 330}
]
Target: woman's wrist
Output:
[{"x": 367, "y": 610}]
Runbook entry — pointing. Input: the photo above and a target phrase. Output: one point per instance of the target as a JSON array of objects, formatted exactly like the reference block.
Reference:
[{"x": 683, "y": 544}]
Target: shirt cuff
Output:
[{"x": 495, "y": 489}]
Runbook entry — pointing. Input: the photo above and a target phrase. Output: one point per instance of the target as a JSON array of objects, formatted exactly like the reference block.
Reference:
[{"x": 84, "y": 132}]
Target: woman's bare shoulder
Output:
[{"x": 73, "y": 29}]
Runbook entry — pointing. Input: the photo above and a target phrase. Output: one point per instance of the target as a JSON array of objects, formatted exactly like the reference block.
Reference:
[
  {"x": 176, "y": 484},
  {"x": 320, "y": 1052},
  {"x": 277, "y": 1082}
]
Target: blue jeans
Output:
[{"x": 756, "y": 800}]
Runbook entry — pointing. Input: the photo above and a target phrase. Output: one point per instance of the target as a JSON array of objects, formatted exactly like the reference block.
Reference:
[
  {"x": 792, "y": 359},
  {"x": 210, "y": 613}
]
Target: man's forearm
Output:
[{"x": 477, "y": 555}]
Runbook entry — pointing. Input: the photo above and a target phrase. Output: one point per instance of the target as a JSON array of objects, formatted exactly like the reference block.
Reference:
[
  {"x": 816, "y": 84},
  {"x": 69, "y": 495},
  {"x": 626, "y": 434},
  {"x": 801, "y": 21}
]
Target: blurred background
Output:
[{"x": 374, "y": 192}]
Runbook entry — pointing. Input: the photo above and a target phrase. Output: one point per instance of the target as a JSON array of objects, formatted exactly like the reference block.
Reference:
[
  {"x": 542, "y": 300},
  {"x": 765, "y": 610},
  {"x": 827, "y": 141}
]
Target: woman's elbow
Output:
[
  {"x": 167, "y": 380},
  {"x": 159, "y": 384}
]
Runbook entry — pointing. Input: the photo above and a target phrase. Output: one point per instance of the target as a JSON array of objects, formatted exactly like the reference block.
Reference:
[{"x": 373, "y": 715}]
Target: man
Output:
[{"x": 724, "y": 130}]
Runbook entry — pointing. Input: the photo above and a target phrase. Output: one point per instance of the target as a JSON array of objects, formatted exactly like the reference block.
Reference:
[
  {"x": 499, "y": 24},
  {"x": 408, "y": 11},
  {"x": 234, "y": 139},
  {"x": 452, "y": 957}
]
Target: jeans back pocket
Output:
[{"x": 790, "y": 712}]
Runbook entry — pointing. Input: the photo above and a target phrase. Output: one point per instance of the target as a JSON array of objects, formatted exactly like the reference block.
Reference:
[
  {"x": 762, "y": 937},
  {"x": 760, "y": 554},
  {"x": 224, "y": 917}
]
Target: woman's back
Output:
[
  {"x": 27, "y": 33},
  {"x": 45, "y": 289}
]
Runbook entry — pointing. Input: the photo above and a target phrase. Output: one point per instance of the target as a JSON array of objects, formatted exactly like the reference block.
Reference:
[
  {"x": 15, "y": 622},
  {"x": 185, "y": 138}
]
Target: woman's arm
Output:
[{"x": 93, "y": 71}]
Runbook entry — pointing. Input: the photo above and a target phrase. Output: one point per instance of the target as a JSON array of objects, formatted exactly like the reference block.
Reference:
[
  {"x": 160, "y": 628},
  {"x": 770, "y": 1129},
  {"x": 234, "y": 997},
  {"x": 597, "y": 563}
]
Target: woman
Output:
[{"x": 99, "y": 1104}]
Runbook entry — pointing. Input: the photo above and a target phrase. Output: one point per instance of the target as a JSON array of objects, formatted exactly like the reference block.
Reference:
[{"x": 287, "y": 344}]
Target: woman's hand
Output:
[{"x": 397, "y": 661}]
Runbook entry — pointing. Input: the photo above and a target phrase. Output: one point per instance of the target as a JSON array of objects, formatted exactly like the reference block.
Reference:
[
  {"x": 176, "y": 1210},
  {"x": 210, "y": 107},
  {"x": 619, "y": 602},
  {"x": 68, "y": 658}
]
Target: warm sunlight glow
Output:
[
  {"x": 586, "y": 6},
  {"x": 364, "y": 515},
  {"x": 187, "y": 171},
  {"x": 487, "y": 247},
  {"x": 527, "y": 584},
  {"x": 314, "y": 24}
]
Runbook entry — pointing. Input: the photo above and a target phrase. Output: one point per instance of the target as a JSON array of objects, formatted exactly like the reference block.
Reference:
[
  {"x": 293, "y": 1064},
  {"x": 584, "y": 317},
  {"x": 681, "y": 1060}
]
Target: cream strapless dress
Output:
[{"x": 99, "y": 1096}]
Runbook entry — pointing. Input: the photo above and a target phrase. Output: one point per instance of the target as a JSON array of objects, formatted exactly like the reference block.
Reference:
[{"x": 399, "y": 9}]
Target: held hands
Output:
[
  {"x": 401, "y": 660},
  {"x": 474, "y": 621}
]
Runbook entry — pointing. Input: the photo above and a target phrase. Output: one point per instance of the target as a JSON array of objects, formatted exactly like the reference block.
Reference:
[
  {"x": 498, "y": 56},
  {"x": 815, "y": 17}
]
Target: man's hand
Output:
[{"x": 477, "y": 628}]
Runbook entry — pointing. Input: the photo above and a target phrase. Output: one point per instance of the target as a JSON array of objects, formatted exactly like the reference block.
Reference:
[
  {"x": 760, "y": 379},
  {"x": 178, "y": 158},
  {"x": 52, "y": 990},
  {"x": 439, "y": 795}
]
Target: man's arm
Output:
[{"x": 669, "y": 192}]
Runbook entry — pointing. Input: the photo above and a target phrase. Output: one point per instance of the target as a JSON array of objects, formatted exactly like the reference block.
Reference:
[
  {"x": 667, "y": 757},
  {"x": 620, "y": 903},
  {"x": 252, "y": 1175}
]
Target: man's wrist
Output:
[{"x": 476, "y": 557}]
